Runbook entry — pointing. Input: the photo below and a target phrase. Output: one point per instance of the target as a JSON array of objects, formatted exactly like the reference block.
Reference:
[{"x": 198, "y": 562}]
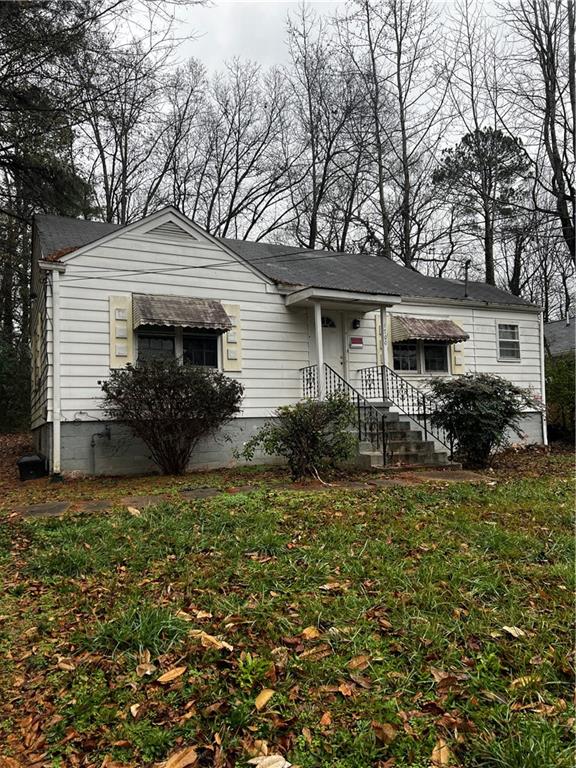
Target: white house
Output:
[{"x": 284, "y": 321}]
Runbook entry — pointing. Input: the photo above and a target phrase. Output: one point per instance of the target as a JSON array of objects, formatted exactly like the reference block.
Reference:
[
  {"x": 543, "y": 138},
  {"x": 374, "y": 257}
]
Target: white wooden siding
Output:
[
  {"x": 480, "y": 352},
  {"x": 274, "y": 340}
]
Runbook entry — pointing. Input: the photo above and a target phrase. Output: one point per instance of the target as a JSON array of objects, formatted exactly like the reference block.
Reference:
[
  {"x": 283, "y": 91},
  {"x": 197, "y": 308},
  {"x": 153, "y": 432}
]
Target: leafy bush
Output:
[
  {"x": 171, "y": 407},
  {"x": 560, "y": 389},
  {"x": 477, "y": 410},
  {"x": 313, "y": 435}
]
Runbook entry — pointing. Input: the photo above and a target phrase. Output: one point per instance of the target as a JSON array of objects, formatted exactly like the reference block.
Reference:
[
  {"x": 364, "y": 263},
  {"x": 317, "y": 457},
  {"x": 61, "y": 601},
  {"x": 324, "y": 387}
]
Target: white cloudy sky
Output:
[{"x": 250, "y": 29}]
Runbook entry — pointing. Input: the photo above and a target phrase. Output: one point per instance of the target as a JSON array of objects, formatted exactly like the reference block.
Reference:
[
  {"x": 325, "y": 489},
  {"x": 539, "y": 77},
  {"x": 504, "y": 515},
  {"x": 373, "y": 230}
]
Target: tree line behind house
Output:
[{"x": 422, "y": 133}]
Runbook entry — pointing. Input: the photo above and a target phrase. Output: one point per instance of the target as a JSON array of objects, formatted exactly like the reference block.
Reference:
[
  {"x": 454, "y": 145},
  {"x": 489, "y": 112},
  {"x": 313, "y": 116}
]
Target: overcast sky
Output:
[{"x": 250, "y": 29}]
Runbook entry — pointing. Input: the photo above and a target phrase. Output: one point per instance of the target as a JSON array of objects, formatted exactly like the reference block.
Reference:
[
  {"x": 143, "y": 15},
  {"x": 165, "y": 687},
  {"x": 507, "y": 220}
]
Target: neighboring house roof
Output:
[
  {"x": 289, "y": 265},
  {"x": 560, "y": 338}
]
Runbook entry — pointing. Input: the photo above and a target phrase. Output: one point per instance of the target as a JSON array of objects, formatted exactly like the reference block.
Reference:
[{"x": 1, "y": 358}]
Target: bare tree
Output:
[{"x": 544, "y": 93}]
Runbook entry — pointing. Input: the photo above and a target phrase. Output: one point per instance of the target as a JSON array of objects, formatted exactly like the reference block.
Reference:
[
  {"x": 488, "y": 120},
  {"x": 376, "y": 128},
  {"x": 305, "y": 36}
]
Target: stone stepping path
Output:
[{"x": 61, "y": 508}]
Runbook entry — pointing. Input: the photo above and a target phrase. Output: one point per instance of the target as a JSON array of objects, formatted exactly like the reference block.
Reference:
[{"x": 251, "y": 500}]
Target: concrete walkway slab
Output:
[
  {"x": 142, "y": 502},
  {"x": 49, "y": 509},
  {"x": 200, "y": 493}
]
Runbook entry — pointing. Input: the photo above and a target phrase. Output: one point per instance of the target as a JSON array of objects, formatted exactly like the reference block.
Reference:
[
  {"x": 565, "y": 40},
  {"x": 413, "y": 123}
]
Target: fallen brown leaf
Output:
[
  {"x": 384, "y": 732},
  {"x": 310, "y": 633},
  {"x": 263, "y": 698},
  {"x": 172, "y": 674},
  {"x": 441, "y": 753},
  {"x": 182, "y": 758}
]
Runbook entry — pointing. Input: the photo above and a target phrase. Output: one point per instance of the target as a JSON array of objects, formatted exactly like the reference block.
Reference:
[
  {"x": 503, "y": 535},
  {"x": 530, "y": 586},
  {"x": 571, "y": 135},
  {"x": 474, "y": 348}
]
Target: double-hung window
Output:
[
  {"x": 421, "y": 356},
  {"x": 406, "y": 356},
  {"x": 508, "y": 342},
  {"x": 155, "y": 345},
  {"x": 190, "y": 347},
  {"x": 201, "y": 349}
]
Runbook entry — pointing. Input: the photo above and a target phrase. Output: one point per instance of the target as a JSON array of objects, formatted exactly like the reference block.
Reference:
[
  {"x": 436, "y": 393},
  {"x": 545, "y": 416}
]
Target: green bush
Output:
[
  {"x": 560, "y": 391},
  {"x": 477, "y": 410},
  {"x": 171, "y": 407},
  {"x": 313, "y": 435}
]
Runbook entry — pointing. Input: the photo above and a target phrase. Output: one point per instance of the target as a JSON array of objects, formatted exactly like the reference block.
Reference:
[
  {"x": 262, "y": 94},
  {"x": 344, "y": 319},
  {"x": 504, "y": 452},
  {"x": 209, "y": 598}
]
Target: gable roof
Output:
[
  {"x": 291, "y": 266},
  {"x": 560, "y": 338},
  {"x": 59, "y": 235}
]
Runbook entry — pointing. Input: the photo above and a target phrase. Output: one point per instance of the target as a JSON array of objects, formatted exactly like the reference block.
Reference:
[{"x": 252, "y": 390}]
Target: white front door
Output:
[{"x": 332, "y": 340}]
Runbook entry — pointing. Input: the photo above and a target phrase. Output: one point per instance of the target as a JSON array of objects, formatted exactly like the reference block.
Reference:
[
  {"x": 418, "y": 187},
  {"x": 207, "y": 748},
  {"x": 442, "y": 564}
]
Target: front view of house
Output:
[{"x": 285, "y": 322}]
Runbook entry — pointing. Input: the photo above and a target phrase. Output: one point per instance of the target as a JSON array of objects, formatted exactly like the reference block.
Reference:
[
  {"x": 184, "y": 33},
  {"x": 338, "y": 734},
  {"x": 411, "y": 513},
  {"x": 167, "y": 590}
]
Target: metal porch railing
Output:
[
  {"x": 383, "y": 384},
  {"x": 370, "y": 423}
]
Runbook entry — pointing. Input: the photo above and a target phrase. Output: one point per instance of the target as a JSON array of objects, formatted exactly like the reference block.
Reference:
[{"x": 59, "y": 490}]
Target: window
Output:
[
  {"x": 201, "y": 349},
  {"x": 508, "y": 342},
  {"x": 405, "y": 356},
  {"x": 436, "y": 357},
  {"x": 327, "y": 322},
  {"x": 155, "y": 346}
]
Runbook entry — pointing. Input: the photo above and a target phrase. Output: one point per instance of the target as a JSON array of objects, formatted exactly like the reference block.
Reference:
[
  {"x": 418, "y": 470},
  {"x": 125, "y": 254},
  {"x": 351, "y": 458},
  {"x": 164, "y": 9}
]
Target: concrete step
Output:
[
  {"x": 375, "y": 459},
  {"x": 405, "y": 447}
]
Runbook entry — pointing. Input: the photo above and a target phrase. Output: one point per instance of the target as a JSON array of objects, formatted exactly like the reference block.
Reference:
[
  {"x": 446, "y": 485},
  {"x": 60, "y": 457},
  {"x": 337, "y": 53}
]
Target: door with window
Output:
[{"x": 332, "y": 343}]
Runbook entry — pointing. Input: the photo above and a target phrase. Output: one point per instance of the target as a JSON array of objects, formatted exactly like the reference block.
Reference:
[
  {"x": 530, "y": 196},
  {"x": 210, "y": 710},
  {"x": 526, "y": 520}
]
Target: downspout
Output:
[
  {"x": 56, "y": 415},
  {"x": 56, "y": 464},
  {"x": 543, "y": 382}
]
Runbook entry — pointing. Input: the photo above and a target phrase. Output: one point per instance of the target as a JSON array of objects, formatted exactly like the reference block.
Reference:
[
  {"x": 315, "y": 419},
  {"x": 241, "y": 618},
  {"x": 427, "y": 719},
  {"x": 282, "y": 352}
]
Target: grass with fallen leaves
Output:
[{"x": 407, "y": 626}]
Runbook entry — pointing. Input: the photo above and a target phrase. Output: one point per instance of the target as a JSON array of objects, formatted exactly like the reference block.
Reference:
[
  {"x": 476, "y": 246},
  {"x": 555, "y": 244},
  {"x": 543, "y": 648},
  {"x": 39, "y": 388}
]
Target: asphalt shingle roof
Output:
[
  {"x": 560, "y": 338},
  {"x": 361, "y": 273}
]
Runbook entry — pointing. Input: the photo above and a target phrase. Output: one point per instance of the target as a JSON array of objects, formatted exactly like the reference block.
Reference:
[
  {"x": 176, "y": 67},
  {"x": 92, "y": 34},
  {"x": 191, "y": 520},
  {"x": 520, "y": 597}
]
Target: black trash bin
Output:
[{"x": 32, "y": 465}]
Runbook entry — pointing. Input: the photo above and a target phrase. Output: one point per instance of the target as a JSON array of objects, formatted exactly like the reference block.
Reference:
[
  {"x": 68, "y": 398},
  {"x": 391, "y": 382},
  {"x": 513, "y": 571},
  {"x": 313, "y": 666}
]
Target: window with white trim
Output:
[
  {"x": 508, "y": 342},
  {"x": 421, "y": 356},
  {"x": 191, "y": 347}
]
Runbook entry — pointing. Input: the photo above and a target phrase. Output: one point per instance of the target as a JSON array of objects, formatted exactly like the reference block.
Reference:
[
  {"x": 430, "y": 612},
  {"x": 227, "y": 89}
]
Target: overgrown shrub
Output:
[
  {"x": 171, "y": 407},
  {"x": 560, "y": 392},
  {"x": 477, "y": 410},
  {"x": 313, "y": 435}
]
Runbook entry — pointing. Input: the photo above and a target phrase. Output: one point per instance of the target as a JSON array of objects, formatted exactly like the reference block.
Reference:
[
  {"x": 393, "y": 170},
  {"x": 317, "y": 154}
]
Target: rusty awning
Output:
[
  {"x": 180, "y": 311},
  {"x": 423, "y": 329}
]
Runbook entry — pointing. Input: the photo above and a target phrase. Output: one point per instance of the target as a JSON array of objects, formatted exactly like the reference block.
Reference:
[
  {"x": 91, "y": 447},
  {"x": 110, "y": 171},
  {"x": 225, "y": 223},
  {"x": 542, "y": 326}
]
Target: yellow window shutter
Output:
[
  {"x": 121, "y": 333},
  {"x": 377, "y": 327},
  {"x": 458, "y": 359},
  {"x": 232, "y": 340}
]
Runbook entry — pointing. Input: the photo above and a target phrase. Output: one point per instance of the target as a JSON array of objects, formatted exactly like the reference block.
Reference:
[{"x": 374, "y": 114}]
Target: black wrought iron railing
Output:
[
  {"x": 310, "y": 381},
  {"x": 370, "y": 423},
  {"x": 383, "y": 384}
]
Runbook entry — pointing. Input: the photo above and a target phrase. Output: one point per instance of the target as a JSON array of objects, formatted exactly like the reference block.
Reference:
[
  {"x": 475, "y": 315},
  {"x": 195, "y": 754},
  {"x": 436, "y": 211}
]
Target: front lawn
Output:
[{"x": 345, "y": 629}]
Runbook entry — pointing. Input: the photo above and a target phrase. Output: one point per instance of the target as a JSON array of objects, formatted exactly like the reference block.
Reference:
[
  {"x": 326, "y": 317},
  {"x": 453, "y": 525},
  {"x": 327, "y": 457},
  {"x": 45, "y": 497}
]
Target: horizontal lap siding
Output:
[
  {"x": 274, "y": 340},
  {"x": 481, "y": 349}
]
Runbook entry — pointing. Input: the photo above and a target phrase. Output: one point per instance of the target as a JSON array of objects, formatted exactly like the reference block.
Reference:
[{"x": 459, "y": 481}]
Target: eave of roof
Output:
[{"x": 292, "y": 267}]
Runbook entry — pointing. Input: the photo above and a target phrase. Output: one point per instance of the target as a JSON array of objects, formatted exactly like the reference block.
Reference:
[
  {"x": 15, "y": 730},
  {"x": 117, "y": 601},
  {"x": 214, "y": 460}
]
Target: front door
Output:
[{"x": 332, "y": 340}]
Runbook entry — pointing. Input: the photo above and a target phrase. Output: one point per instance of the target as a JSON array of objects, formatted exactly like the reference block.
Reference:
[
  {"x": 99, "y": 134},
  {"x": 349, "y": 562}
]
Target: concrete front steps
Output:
[{"x": 405, "y": 446}]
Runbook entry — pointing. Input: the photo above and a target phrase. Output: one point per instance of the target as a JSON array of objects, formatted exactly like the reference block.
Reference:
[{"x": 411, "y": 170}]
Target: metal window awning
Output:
[
  {"x": 180, "y": 311},
  {"x": 422, "y": 329}
]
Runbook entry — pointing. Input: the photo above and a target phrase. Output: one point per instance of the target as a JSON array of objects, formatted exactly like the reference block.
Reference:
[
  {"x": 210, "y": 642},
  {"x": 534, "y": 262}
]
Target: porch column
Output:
[
  {"x": 384, "y": 345},
  {"x": 319, "y": 349}
]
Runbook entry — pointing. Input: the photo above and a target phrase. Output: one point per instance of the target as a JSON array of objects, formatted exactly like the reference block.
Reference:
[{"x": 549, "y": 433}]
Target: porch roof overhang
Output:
[
  {"x": 355, "y": 301},
  {"x": 180, "y": 311}
]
